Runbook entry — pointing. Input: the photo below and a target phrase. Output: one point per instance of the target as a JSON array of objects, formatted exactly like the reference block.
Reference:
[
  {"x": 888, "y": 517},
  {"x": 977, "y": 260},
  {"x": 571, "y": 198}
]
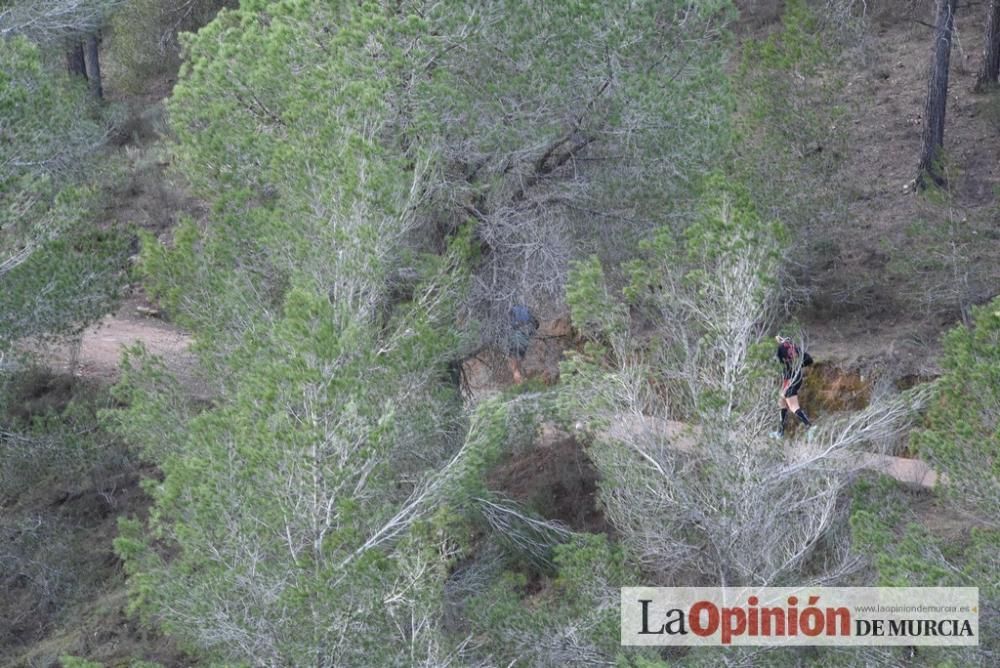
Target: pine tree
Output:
[
  {"x": 989, "y": 72},
  {"x": 961, "y": 437},
  {"x": 304, "y": 509},
  {"x": 330, "y": 138},
  {"x": 932, "y": 151},
  {"x": 56, "y": 273}
]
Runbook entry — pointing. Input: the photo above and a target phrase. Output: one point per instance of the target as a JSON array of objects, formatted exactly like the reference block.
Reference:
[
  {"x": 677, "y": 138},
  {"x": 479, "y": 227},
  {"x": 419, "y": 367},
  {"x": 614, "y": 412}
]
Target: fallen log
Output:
[{"x": 684, "y": 437}]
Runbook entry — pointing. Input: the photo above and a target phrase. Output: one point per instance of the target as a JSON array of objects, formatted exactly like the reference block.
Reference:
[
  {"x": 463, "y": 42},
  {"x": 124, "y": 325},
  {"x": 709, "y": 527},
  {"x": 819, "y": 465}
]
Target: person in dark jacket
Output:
[
  {"x": 792, "y": 359},
  {"x": 523, "y": 326}
]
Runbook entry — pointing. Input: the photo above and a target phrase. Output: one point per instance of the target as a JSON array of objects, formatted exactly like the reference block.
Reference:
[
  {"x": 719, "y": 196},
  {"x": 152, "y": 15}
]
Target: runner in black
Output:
[
  {"x": 523, "y": 325},
  {"x": 792, "y": 359}
]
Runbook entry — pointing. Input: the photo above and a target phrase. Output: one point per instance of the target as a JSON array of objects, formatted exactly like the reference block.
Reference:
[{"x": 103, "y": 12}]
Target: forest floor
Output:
[{"x": 907, "y": 266}]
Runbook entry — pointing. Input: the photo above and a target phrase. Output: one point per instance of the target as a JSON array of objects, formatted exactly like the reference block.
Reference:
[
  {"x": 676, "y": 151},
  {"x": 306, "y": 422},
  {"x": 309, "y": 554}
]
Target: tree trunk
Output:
[
  {"x": 94, "y": 66},
  {"x": 74, "y": 60},
  {"x": 937, "y": 97},
  {"x": 990, "y": 71}
]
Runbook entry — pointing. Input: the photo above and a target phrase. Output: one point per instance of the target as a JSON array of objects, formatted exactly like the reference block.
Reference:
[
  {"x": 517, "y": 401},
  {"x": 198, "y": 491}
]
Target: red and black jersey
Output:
[{"x": 788, "y": 355}]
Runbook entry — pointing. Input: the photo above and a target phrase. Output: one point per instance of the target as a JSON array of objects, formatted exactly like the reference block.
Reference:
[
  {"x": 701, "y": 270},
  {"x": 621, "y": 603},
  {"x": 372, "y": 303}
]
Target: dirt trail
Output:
[{"x": 97, "y": 355}]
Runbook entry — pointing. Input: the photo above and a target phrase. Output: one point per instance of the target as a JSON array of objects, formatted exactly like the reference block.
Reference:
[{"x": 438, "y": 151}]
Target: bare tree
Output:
[
  {"x": 74, "y": 23},
  {"x": 937, "y": 97},
  {"x": 49, "y": 21},
  {"x": 711, "y": 500},
  {"x": 990, "y": 70},
  {"x": 722, "y": 505}
]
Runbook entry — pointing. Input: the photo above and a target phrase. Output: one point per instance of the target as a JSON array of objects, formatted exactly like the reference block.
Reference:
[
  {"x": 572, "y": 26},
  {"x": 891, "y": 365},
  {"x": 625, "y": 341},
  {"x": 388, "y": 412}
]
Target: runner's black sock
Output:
[
  {"x": 784, "y": 414},
  {"x": 801, "y": 414}
]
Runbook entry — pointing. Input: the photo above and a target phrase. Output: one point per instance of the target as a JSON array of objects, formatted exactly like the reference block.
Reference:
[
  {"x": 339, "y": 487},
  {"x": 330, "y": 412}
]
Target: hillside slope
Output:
[
  {"x": 881, "y": 291},
  {"x": 908, "y": 265}
]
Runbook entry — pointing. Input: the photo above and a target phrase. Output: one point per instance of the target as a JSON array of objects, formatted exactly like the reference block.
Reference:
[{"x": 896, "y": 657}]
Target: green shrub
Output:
[{"x": 962, "y": 433}]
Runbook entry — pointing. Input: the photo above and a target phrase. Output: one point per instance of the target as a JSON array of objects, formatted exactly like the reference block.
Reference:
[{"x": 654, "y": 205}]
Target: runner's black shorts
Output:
[
  {"x": 791, "y": 389},
  {"x": 517, "y": 345}
]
